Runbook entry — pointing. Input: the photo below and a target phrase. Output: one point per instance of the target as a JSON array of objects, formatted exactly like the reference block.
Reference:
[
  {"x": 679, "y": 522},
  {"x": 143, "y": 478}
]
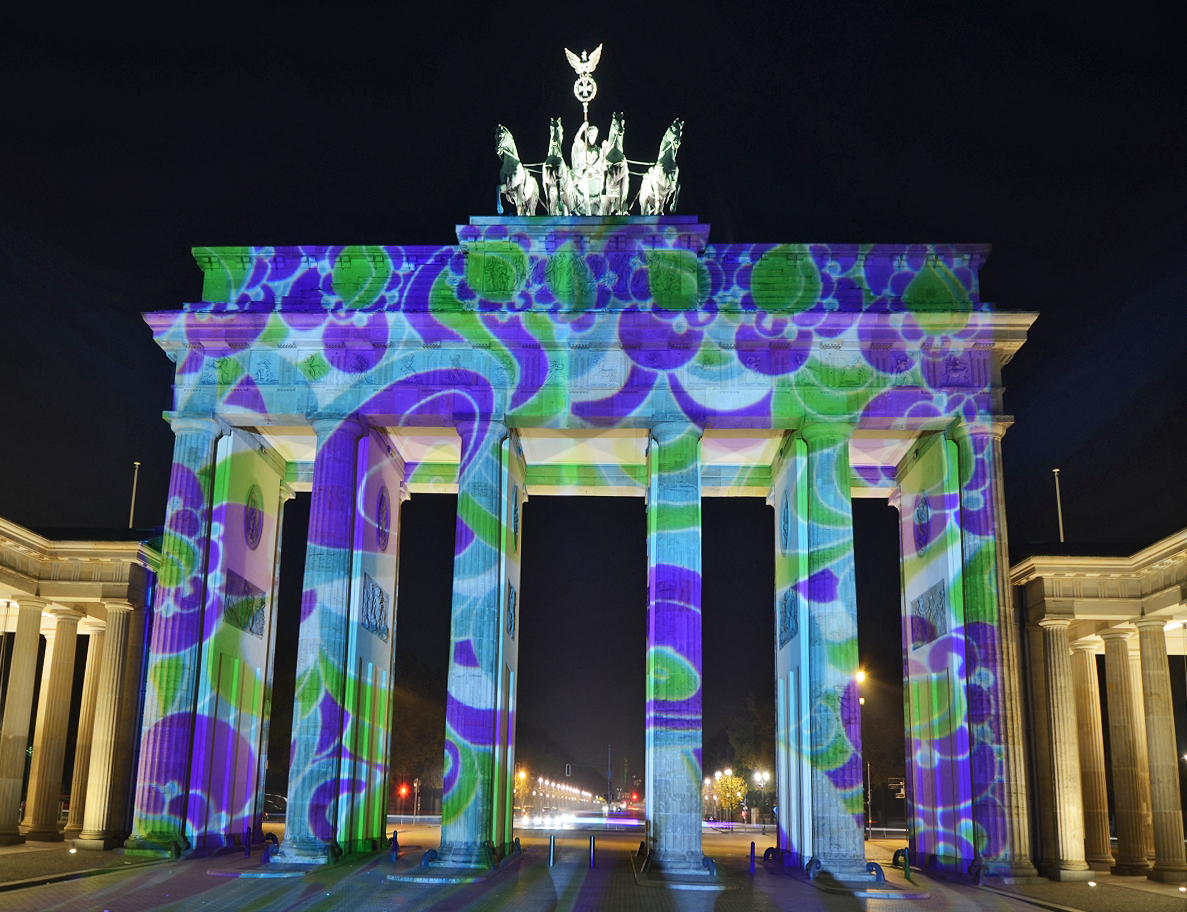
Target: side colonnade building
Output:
[
  {"x": 1133, "y": 612},
  {"x": 619, "y": 356},
  {"x": 57, "y": 591}
]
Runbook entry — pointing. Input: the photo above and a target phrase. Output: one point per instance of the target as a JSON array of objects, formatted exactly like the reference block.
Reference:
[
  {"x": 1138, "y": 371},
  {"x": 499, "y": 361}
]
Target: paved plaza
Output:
[{"x": 360, "y": 884}]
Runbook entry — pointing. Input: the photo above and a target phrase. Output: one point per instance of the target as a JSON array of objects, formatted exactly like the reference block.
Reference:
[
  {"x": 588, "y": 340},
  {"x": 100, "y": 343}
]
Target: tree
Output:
[
  {"x": 752, "y": 733},
  {"x": 729, "y": 790}
]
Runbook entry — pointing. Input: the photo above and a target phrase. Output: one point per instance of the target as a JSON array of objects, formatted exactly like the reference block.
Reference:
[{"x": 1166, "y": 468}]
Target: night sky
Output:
[{"x": 1056, "y": 136}]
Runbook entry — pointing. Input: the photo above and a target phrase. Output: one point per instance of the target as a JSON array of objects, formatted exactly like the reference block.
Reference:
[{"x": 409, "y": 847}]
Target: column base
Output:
[
  {"x": 1130, "y": 868},
  {"x": 11, "y": 838},
  {"x": 1064, "y": 874},
  {"x": 71, "y": 832},
  {"x": 99, "y": 842},
  {"x": 681, "y": 864},
  {"x": 845, "y": 870},
  {"x": 43, "y": 835},
  {"x": 155, "y": 847},
  {"x": 472, "y": 855},
  {"x": 1102, "y": 864},
  {"x": 1011, "y": 872},
  {"x": 1168, "y": 875},
  {"x": 312, "y": 852}
]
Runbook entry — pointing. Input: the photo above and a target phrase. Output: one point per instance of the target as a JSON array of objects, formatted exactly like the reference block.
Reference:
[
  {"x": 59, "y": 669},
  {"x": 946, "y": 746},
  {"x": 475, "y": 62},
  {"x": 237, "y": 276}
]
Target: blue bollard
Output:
[
  {"x": 751, "y": 857},
  {"x": 591, "y": 851}
]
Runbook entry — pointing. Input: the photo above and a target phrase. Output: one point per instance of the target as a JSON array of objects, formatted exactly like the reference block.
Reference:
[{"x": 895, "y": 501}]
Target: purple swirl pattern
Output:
[{"x": 578, "y": 324}]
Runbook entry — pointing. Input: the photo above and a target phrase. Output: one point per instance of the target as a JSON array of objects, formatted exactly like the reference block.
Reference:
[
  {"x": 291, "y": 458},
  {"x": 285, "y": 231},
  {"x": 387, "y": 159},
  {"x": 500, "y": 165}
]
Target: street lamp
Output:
[
  {"x": 867, "y": 782},
  {"x": 761, "y": 780}
]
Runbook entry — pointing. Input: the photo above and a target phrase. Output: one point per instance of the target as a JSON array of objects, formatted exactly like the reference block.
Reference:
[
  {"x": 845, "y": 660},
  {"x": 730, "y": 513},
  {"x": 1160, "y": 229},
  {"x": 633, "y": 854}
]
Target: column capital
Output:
[
  {"x": 1055, "y": 622},
  {"x": 62, "y": 614},
  {"x": 325, "y": 425},
  {"x": 119, "y": 606},
  {"x": 1085, "y": 646},
  {"x": 667, "y": 431},
  {"x": 1115, "y": 633},
  {"x": 196, "y": 424},
  {"x": 824, "y": 431},
  {"x": 1149, "y": 621},
  {"x": 32, "y": 601},
  {"x": 988, "y": 426}
]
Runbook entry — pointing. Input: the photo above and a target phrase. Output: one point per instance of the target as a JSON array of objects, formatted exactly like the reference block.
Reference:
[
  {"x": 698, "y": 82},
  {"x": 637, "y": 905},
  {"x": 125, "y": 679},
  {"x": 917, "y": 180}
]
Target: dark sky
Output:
[{"x": 1056, "y": 135}]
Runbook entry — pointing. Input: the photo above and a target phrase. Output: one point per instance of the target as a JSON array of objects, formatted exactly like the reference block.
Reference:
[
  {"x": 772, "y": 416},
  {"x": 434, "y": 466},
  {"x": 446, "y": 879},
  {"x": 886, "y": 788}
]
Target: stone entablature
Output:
[
  {"x": 1101, "y": 592},
  {"x": 581, "y": 264},
  {"x": 76, "y": 574}
]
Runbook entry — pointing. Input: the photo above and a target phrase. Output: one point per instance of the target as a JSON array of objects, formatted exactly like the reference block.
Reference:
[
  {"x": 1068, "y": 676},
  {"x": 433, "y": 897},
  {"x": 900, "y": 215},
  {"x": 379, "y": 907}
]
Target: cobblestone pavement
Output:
[{"x": 231, "y": 882}]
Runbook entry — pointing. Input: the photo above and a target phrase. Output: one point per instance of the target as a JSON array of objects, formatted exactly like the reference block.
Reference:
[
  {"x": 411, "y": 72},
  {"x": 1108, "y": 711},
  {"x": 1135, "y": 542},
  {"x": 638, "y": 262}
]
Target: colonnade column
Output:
[
  {"x": 86, "y": 726},
  {"x": 126, "y": 725},
  {"x": 1000, "y": 803},
  {"x": 101, "y": 779},
  {"x": 14, "y": 735},
  {"x": 673, "y": 734},
  {"x": 1170, "y": 857},
  {"x": 1123, "y": 753},
  {"x": 310, "y": 832},
  {"x": 837, "y": 771},
  {"x": 468, "y": 798},
  {"x": 1097, "y": 848},
  {"x": 1142, "y": 751},
  {"x": 49, "y": 740},
  {"x": 162, "y": 782},
  {"x": 1068, "y": 863}
]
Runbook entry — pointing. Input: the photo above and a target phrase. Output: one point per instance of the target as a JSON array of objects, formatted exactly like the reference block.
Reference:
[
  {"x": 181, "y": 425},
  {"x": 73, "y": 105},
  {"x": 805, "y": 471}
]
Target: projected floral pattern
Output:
[{"x": 554, "y": 323}]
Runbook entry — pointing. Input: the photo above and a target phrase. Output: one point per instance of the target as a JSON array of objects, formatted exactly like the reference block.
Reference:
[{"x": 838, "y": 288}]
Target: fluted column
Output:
[
  {"x": 1142, "y": 755},
  {"x": 1170, "y": 857},
  {"x": 86, "y": 726},
  {"x": 14, "y": 733},
  {"x": 126, "y": 726},
  {"x": 1123, "y": 755},
  {"x": 1068, "y": 863},
  {"x": 994, "y": 674},
  {"x": 673, "y": 733},
  {"x": 310, "y": 833},
  {"x": 96, "y": 832},
  {"x": 49, "y": 740},
  {"x": 1097, "y": 848},
  {"x": 468, "y": 801},
  {"x": 837, "y": 771},
  {"x": 162, "y": 780}
]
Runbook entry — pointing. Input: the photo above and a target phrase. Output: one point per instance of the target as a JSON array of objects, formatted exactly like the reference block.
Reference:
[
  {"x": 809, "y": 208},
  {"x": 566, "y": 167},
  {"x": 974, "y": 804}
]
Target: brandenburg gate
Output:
[
  {"x": 592, "y": 355},
  {"x": 593, "y": 352}
]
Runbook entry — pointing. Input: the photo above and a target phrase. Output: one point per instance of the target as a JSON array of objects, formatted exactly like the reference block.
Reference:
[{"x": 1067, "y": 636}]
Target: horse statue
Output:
[
  {"x": 661, "y": 182},
  {"x": 618, "y": 177},
  {"x": 515, "y": 182},
  {"x": 558, "y": 179}
]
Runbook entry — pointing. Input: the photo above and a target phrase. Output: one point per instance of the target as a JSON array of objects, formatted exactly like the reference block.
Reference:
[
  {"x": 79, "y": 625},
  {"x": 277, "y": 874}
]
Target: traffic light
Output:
[
  {"x": 634, "y": 796},
  {"x": 403, "y": 791}
]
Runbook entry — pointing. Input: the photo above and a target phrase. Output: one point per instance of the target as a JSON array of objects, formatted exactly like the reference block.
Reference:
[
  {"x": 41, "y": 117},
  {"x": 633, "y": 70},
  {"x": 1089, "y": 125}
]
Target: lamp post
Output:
[
  {"x": 866, "y": 783},
  {"x": 761, "y": 780}
]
